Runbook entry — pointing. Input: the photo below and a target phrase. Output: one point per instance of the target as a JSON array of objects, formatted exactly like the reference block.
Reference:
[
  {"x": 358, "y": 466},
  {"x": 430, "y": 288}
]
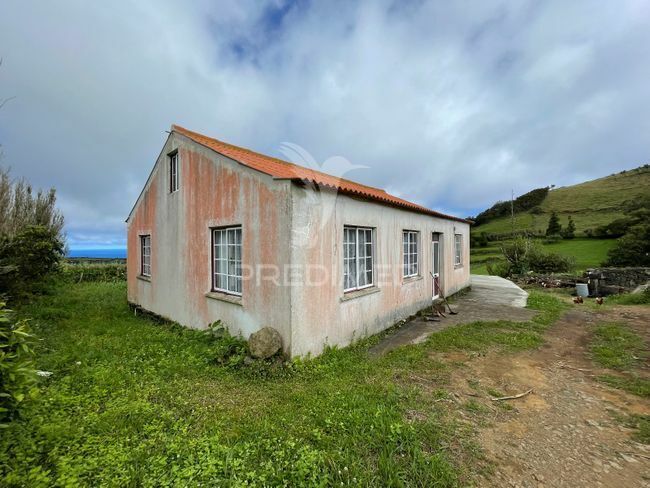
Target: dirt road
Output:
[{"x": 566, "y": 433}]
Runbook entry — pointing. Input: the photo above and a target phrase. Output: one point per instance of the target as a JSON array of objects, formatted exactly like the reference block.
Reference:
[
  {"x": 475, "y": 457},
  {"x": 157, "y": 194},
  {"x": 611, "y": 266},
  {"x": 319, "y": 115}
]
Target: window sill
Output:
[
  {"x": 351, "y": 295},
  {"x": 411, "y": 279},
  {"x": 458, "y": 266},
  {"x": 224, "y": 297},
  {"x": 144, "y": 278}
]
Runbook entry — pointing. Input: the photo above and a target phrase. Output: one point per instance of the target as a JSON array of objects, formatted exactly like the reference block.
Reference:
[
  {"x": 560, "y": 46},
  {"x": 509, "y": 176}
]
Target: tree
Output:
[
  {"x": 554, "y": 226},
  {"x": 31, "y": 236},
  {"x": 20, "y": 207},
  {"x": 570, "y": 231},
  {"x": 633, "y": 249}
]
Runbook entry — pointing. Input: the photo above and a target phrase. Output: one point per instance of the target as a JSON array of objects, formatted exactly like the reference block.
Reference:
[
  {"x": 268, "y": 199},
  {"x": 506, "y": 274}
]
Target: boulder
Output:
[{"x": 264, "y": 343}]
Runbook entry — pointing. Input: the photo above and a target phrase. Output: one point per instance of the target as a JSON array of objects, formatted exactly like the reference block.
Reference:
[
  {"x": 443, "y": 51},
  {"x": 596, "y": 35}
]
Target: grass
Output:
[
  {"x": 616, "y": 347},
  {"x": 591, "y": 204},
  {"x": 587, "y": 253},
  {"x": 630, "y": 298},
  {"x": 640, "y": 424},
  {"x": 135, "y": 403}
]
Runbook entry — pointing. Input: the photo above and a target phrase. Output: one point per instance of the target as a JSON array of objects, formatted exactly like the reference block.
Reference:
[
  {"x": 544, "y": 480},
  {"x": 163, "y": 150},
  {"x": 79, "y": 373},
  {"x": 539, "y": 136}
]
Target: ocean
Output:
[{"x": 97, "y": 253}]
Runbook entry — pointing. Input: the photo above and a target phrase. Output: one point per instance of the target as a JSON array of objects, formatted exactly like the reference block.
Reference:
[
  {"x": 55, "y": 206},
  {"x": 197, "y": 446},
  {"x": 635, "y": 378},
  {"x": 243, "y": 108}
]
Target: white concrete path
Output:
[{"x": 499, "y": 291}]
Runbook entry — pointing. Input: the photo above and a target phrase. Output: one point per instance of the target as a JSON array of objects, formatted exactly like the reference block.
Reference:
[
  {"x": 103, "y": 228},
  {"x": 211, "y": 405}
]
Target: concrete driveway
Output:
[{"x": 491, "y": 298}]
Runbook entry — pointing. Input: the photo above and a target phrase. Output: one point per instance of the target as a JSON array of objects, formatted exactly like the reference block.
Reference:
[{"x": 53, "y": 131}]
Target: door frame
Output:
[{"x": 436, "y": 285}]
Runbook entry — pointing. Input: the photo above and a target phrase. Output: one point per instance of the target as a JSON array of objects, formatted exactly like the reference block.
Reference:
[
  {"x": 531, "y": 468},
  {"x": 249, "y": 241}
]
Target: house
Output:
[{"x": 220, "y": 232}]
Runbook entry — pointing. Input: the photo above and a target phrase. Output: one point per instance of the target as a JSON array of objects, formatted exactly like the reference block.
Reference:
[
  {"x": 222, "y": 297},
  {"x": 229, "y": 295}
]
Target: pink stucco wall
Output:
[{"x": 285, "y": 230}]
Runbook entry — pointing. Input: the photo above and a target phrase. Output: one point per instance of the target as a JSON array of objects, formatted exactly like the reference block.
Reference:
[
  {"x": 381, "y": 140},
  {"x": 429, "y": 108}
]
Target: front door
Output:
[{"x": 435, "y": 267}]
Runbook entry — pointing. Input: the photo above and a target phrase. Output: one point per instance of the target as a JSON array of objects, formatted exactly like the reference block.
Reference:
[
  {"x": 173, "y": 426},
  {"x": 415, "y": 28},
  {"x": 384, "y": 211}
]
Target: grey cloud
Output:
[{"x": 449, "y": 104}]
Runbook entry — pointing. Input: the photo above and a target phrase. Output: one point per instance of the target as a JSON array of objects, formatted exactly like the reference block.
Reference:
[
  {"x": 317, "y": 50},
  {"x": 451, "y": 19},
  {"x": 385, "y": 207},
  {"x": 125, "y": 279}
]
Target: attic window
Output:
[{"x": 173, "y": 172}]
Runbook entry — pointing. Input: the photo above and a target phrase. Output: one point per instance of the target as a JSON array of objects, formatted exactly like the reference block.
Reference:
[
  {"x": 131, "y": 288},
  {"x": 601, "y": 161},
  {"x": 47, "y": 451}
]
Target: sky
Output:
[{"x": 448, "y": 104}]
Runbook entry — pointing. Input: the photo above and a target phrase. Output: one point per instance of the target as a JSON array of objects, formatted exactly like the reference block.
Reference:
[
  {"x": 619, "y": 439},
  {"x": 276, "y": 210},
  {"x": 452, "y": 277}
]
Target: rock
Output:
[
  {"x": 264, "y": 343},
  {"x": 641, "y": 288}
]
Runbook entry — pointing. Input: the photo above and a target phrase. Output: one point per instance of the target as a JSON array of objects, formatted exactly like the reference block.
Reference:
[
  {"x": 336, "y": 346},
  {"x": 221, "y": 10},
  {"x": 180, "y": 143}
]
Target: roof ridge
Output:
[
  {"x": 282, "y": 161},
  {"x": 280, "y": 169}
]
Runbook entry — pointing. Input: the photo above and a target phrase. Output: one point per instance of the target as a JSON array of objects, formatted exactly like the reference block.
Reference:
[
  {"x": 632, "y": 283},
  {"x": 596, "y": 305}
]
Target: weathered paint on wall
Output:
[
  {"x": 292, "y": 239},
  {"x": 324, "y": 314},
  {"x": 214, "y": 191}
]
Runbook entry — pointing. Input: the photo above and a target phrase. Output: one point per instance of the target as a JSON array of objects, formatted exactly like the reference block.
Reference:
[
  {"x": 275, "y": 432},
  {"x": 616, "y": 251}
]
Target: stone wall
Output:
[{"x": 607, "y": 281}]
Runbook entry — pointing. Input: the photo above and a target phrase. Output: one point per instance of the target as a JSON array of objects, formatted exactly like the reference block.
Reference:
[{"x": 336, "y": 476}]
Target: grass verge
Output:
[{"x": 616, "y": 347}]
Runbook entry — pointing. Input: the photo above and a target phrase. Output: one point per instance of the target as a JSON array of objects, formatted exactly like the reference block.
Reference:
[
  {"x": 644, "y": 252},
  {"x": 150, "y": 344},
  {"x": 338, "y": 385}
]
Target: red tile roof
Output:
[{"x": 284, "y": 170}]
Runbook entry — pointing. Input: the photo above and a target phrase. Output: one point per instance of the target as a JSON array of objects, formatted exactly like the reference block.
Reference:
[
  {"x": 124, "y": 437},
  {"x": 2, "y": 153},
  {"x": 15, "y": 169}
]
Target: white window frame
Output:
[
  {"x": 225, "y": 252},
  {"x": 174, "y": 170},
  {"x": 458, "y": 249},
  {"x": 359, "y": 254},
  {"x": 145, "y": 255},
  {"x": 410, "y": 253}
]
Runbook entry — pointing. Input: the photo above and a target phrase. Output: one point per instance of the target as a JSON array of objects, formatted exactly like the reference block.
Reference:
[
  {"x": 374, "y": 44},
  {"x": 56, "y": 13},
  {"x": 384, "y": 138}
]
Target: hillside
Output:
[{"x": 590, "y": 204}]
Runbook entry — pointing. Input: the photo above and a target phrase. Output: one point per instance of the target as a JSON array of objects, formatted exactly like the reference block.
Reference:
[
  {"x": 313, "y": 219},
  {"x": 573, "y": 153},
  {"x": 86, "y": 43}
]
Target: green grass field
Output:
[
  {"x": 587, "y": 253},
  {"x": 134, "y": 403},
  {"x": 590, "y": 204}
]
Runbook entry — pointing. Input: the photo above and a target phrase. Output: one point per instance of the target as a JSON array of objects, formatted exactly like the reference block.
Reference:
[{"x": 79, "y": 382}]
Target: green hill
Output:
[{"x": 590, "y": 204}]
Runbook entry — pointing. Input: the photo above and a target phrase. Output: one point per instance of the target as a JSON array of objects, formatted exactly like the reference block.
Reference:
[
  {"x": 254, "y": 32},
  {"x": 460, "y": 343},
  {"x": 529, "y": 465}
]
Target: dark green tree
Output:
[
  {"x": 633, "y": 249},
  {"x": 554, "y": 226},
  {"x": 570, "y": 231}
]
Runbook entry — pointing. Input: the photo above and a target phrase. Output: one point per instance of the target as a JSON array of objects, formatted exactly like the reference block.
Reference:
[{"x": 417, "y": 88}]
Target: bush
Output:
[
  {"x": 27, "y": 257},
  {"x": 633, "y": 249},
  {"x": 498, "y": 268},
  {"x": 549, "y": 262},
  {"x": 229, "y": 350},
  {"x": 106, "y": 272},
  {"x": 523, "y": 255},
  {"x": 17, "y": 374},
  {"x": 616, "y": 228}
]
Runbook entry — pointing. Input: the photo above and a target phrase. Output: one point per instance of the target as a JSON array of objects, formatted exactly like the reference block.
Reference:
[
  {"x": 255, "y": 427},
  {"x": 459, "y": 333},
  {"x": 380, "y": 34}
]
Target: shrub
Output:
[
  {"x": 106, "y": 272},
  {"x": 229, "y": 350},
  {"x": 616, "y": 228},
  {"x": 27, "y": 257},
  {"x": 498, "y": 268},
  {"x": 633, "y": 249},
  {"x": 516, "y": 254},
  {"x": 549, "y": 262},
  {"x": 17, "y": 374},
  {"x": 523, "y": 255}
]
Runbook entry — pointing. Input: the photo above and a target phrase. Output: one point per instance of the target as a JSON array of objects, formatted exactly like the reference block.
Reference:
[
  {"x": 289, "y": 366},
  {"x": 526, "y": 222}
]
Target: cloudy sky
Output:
[{"x": 449, "y": 104}]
